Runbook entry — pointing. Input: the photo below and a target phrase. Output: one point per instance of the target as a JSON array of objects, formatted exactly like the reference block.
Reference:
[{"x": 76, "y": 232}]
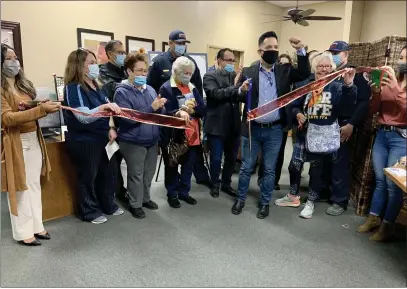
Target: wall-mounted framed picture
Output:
[
  {"x": 164, "y": 46},
  {"x": 11, "y": 35},
  {"x": 135, "y": 43},
  {"x": 95, "y": 41}
]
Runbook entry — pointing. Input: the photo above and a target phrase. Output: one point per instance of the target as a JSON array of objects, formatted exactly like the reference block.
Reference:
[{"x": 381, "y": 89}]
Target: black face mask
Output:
[
  {"x": 402, "y": 67},
  {"x": 270, "y": 56}
]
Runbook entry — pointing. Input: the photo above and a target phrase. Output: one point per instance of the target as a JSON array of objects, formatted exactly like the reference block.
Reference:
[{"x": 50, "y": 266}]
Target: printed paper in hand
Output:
[{"x": 111, "y": 148}]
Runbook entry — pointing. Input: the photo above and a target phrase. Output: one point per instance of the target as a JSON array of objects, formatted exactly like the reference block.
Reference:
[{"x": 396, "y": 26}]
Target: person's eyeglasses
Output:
[
  {"x": 229, "y": 60},
  {"x": 324, "y": 66}
]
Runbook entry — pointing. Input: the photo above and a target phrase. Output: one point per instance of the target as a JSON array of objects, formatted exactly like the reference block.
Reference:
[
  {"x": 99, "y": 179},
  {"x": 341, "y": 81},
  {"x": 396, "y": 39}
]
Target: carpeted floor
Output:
[{"x": 206, "y": 246}]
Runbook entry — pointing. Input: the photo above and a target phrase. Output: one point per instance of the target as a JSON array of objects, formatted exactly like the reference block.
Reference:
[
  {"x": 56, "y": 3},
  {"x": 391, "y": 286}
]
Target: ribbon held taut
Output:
[{"x": 315, "y": 86}]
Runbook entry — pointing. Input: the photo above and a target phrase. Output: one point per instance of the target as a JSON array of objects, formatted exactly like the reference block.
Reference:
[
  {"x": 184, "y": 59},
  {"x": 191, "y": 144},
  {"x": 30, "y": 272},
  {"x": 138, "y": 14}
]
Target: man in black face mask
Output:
[{"x": 270, "y": 80}]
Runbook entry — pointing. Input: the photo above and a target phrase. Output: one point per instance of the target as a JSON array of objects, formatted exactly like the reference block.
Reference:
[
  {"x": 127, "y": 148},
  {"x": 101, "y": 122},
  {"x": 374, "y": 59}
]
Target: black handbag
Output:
[{"x": 177, "y": 148}]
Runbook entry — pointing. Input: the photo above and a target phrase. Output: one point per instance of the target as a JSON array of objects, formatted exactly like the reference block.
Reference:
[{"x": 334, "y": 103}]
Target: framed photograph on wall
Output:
[
  {"x": 164, "y": 46},
  {"x": 11, "y": 35},
  {"x": 95, "y": 41},
  {"x": 135, "y": 43}
]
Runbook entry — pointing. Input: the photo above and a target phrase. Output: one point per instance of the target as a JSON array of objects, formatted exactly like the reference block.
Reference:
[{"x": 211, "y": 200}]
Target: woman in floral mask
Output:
[
  {"x": 390, "y": 102},
  {"x": 88, "y": 136},
  {"x": 184, "y": 101},
  {"x": 24, "y": 156}
]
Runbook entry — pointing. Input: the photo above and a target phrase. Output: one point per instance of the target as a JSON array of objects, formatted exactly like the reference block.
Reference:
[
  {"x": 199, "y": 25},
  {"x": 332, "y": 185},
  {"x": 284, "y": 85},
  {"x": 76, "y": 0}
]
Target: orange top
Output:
[
  {"x": 192, "y": 135},
  {"x": 391, "y": 106}
]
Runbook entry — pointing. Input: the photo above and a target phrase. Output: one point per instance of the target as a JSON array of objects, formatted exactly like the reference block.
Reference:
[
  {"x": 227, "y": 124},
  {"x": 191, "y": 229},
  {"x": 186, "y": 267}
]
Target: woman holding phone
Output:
[
  {"x": 389, "y": 101},
  {"x": 88, "y": 136},
  {"x": 25, "y": 156}
]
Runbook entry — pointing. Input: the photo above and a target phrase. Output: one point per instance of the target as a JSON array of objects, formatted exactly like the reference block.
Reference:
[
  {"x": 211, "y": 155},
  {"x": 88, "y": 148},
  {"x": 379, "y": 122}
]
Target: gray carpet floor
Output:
[{"x": 206, "y": 246}]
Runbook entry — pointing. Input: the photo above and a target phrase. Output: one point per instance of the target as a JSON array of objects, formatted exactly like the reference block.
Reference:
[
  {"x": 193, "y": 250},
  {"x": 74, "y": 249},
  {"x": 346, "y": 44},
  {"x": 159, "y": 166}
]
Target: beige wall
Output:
[
  {"x": 383, "y": 18},
  {"x": 49, "y": 27},
  {"x": 319, "y": 34},
  {"x": 356, "y": 21}
]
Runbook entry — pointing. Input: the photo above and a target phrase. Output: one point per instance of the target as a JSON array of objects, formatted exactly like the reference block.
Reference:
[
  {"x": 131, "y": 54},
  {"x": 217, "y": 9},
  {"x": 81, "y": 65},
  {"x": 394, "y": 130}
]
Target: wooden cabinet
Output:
[{"x": 58, "y": 195}]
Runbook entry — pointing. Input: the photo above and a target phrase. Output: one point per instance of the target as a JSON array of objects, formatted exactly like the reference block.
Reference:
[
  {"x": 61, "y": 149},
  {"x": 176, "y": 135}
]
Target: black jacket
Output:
[
  {"x": 222, "y": 104},
  {"x": 109, "y": 76},
  {"x": 285, "y": 75},
  {"x": 355, "y": 110},
  {"x": 160, "y": 72}
]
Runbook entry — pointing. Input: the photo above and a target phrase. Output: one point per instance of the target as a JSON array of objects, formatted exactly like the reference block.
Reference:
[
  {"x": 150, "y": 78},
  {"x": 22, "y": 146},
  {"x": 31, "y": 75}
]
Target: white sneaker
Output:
[
  {"x": 308, "y": 210},
  {"x": 118, "y": 212},
  {"x": 99, "y": 220}
]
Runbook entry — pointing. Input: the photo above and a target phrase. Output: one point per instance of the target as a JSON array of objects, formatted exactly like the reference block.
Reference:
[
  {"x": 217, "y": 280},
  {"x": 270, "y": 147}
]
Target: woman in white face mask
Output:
[
  {"x": 87, "y": 138},
  {"x": 24, "y": 156}
]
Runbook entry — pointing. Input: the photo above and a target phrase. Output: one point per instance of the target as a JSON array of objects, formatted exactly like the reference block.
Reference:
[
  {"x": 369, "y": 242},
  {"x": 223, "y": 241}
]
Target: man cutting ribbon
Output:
[{"x": 269, "y": 81}]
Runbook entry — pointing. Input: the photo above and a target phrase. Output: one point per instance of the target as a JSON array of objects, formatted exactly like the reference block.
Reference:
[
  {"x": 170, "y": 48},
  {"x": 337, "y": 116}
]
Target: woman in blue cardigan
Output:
[
  {"x": 183, "y": 100},
  {"x": 138, "y": 141}
]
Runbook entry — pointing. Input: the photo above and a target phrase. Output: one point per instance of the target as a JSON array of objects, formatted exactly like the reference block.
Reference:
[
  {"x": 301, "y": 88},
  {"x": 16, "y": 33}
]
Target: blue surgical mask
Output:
[
  {"x": 229, "y": 67},
  {"x": 337, "y": 59},
  {"x": 140, "y": 80},
  {"x": 120, "y": 59},
  {"x": 93, "y": 71},
  {"x": 185, "y": 78},
  {"x": 180, "y": 49}
]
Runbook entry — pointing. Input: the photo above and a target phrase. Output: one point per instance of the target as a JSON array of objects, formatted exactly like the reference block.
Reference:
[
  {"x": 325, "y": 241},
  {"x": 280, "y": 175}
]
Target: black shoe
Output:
[
  {"x": 263, "y": 212},
  {"x": 277, "y": 187},
  {"x": 229, "y": 190},
  {"x": 45, "y": 236},
  {"x": 150, "y": 205},
  {"x": 137, "y": 213},
  {"x": 36, "y": 242},
  {"x": 189, "y": 200},
  {"x": 237, "y": 207},
  {"x": 214, "y": 192},
  {"x": 174, "y": 202}
]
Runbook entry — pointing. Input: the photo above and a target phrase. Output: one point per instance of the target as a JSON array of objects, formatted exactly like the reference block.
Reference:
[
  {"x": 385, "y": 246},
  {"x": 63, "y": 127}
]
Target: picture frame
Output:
[
  {"x": 11, "y": 35},
  {"x": 95, "y": 41},
  {"x": 164, "y": 46},
  {"x": 135, "y": 43}
]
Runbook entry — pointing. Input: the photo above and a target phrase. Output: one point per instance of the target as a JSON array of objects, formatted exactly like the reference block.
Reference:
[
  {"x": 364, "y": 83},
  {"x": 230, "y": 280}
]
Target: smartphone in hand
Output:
[{"x": 377, "y": 76}]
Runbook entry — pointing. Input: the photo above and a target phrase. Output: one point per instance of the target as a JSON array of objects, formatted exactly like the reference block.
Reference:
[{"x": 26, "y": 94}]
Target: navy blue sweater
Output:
[
  {"x": 86, "y": 100},
  {"x": 127, "y": 96}
]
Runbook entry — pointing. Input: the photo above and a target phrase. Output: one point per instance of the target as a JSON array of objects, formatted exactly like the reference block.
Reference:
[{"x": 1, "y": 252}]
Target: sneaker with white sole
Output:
[
  {"x": 118, "y": 212},
  {"x": 99, "y": 220},
  {"x": 308, "y": 210},
  {"x": 288, "y": 201}
]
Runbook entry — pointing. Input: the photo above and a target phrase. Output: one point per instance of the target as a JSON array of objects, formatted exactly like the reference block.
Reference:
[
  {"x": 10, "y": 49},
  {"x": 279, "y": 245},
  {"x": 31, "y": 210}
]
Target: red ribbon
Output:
[{"x": 315, "y": 87}]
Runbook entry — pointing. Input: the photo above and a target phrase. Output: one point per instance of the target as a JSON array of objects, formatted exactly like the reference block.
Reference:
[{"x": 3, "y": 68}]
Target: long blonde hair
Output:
[
  {"x": 74, "y": 70},
  {"x": 21, "y": 84}
]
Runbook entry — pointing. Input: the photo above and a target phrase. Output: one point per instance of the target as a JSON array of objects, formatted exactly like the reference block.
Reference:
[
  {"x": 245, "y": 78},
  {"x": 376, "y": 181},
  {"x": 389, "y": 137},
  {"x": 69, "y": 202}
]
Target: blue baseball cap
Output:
[
  {"x": 339, "y": 46},
  {"x": 178, "y": 36}
]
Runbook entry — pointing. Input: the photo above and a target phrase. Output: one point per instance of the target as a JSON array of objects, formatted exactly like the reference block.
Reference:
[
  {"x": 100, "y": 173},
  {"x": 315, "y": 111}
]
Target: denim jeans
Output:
[
  {"x": 218, "y": 147},
  {"x": 388, "y": 148},
  {"x": 268, "y": 140}
]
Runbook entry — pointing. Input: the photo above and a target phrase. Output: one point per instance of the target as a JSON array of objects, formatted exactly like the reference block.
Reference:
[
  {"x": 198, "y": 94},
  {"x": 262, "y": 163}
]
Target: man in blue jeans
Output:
[{"x": 270, "y": 80}]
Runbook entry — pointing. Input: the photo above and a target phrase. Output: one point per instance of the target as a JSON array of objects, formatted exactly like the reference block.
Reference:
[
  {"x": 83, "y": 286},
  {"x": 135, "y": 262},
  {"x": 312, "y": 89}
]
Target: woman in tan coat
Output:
[{"x": 23, "y": 150}]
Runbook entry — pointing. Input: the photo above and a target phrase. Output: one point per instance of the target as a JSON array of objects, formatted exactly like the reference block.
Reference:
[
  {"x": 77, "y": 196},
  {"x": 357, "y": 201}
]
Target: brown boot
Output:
[
  {"x": 371, "y": 223},
  {"x": 386, "y": 231}
]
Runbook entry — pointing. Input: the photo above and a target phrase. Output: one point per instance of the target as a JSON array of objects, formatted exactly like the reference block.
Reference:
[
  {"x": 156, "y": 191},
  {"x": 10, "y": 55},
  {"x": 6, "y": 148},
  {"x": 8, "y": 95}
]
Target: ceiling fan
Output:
[{"x": 299, "y": 16}]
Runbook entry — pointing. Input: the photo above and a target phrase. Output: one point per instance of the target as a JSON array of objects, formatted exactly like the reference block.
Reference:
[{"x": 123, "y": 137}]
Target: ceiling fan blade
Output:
[
  {"x": 321, "y": 18},
  {"x": 307, "y": 12},
  {"x": 302, "y": 22},
  {"x": 270, "y": 14},
  {"x": 276, "y": 21}
]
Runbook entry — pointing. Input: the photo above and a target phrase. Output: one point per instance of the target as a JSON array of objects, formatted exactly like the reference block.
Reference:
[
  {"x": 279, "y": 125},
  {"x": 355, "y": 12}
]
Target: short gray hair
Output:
[
  {"x": 181, "y": 63},
  {"x": 317, "y": 59}
]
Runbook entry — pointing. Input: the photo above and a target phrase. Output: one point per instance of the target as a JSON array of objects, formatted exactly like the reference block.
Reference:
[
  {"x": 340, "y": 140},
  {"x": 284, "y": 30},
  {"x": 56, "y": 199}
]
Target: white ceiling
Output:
[{"x": 293, "y": 3}]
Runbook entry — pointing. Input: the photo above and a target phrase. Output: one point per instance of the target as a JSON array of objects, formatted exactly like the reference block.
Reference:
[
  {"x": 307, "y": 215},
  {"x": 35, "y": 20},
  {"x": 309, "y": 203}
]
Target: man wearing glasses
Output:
[{"x": 222, "y": 124}]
